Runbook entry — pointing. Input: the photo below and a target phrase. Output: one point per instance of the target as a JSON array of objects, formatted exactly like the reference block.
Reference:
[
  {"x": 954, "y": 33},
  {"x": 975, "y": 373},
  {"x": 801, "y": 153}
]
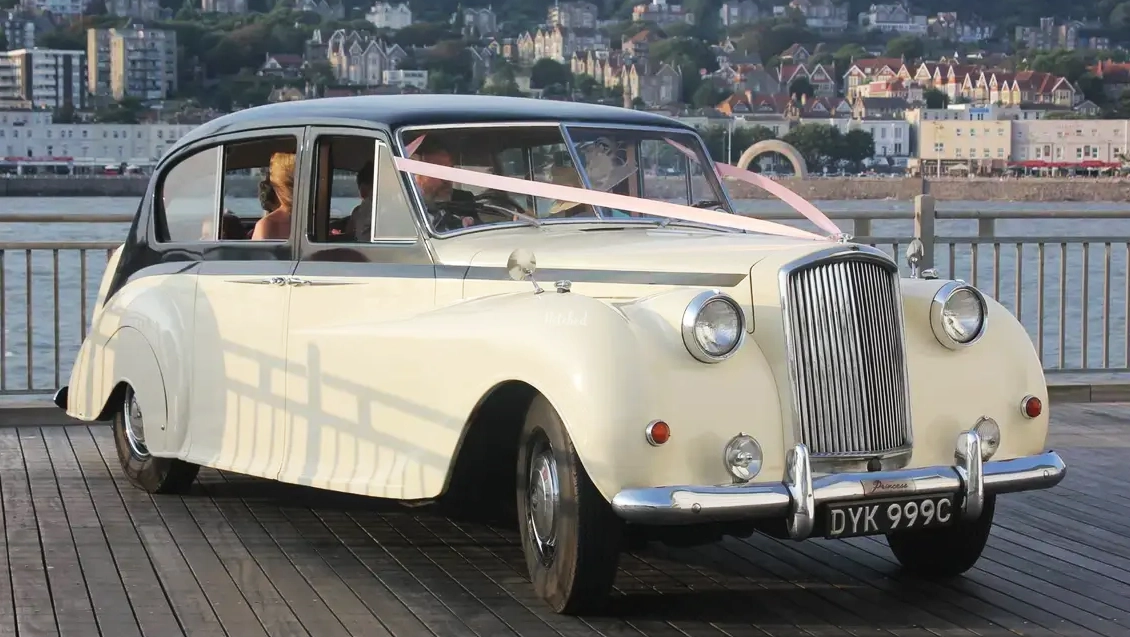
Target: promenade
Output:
[{"x": 90, "y": 555}]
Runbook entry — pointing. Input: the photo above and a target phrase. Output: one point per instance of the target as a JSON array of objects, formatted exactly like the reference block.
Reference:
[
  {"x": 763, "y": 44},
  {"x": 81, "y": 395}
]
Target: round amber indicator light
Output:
[
  {"x": 658, "y": 433},
  {"x": 1032, "y": 407}
]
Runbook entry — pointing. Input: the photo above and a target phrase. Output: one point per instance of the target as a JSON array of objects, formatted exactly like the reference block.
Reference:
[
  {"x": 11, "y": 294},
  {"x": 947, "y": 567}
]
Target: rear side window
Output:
[{"x": 189, "y": 196}]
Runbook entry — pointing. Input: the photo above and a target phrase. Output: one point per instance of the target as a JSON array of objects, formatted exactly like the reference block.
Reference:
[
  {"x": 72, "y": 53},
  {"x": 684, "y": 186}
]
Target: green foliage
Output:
[
  {"x": 822, "y": 145},
  {"x": 743, "y": 137},
  {"x": 547, "y": 72},
  {"x": 908, "y": 47},
  {"x": 935, "y": 98},
  {"x": 801, "y": 86}
]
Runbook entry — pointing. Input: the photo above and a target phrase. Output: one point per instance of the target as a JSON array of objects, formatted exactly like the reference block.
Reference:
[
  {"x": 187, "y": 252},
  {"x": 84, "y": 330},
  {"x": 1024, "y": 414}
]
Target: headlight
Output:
[
  {"x": 713, "y": 326},
  {"x": 742, "y": 457},
  {"x": 957, "y": 315}
]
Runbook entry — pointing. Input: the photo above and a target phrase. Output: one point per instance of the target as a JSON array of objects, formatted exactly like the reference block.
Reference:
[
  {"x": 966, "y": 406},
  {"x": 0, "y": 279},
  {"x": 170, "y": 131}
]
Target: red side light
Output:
[
  {"x": 1031, "y": 407},
  {"x": 657, "y": 433}
]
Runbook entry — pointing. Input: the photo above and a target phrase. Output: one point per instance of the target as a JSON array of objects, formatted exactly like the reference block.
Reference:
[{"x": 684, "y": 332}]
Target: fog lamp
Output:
[
  {"x": 742, "y": 457},
  {"x": 990, "y": 433}
]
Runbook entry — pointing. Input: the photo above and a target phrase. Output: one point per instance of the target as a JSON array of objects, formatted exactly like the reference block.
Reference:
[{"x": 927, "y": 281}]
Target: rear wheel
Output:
[
  {"x": 946, "y": 551},
  {"x": 570, "y": 535},
  {"x": 144, "y": 471}
]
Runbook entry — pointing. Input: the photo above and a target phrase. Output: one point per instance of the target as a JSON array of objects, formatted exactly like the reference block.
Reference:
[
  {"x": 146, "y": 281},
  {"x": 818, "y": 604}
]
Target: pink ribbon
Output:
[
  {"x": 795, "y": 201},
  {"x": 600, "y": 199},
  {"x": 411, "y": 148}
]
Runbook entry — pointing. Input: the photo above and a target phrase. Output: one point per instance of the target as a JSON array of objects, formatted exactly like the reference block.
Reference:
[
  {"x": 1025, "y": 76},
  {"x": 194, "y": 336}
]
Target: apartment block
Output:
[
  {"x": 132, "y": 62},
  {"x": 572, "y": 15},
  {"x": 42, "y": 78}
]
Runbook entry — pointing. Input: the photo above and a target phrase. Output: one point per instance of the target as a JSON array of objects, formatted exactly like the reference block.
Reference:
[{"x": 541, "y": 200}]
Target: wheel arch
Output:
[{"x": 487, "y": 452}]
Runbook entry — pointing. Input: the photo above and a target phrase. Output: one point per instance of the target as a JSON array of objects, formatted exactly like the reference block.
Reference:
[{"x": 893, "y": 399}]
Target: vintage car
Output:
[{"x": 552, "y": 311}]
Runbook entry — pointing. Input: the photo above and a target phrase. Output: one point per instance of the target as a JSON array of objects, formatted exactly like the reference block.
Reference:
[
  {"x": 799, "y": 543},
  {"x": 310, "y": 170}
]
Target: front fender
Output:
[{"x": 951, "y": 389}]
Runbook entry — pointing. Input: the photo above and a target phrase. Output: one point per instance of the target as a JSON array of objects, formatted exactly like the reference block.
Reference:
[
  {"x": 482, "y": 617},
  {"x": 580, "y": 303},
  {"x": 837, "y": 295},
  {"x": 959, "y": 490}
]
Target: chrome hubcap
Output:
[
  {"x": 134, "y": 425},
  {"x": 544, "y": 499}
]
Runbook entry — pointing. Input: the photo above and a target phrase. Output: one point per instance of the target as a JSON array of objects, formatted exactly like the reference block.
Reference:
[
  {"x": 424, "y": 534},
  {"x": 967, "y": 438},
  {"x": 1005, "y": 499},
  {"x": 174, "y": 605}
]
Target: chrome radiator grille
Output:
[{"x": 845, "y": 340}]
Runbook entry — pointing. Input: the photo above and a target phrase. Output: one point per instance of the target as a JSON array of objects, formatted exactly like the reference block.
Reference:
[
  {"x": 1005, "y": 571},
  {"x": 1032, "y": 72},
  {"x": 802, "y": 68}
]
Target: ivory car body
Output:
[{"x": 555, "y": 340}]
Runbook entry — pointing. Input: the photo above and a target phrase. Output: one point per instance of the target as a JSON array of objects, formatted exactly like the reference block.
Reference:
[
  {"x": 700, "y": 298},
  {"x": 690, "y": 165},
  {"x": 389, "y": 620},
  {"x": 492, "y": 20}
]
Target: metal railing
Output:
[{"x": 1071, "y": 290}]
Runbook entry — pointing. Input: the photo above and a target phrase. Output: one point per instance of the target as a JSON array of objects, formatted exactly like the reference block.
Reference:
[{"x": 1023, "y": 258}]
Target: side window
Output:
[
  {"x": 189, "y": 197},
  {"x": 394, "y": 213},
  {"x": 221, "y": 192},
  {"x": 348, "y": 173},
  {"x": 258, "y": 182}
]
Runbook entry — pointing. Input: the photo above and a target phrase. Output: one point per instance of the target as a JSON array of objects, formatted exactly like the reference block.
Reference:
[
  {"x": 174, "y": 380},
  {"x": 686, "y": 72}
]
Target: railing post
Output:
[{"x": 924, "y": 228}]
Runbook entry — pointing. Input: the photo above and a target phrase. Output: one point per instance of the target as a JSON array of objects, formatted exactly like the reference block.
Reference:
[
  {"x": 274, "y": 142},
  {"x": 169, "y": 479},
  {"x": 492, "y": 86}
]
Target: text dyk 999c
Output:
[{"x": 884, "y": 516}]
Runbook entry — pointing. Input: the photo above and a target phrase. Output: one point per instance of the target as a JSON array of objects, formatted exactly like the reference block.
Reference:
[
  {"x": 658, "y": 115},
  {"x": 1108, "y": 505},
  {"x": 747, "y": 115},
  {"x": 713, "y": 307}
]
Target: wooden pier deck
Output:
[{"x": 89, "y": 555}]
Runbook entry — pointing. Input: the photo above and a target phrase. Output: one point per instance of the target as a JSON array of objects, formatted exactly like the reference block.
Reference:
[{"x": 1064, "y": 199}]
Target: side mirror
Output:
[
  {"x": 914, "y": 253},
  {"x": 521, "y": 266}
]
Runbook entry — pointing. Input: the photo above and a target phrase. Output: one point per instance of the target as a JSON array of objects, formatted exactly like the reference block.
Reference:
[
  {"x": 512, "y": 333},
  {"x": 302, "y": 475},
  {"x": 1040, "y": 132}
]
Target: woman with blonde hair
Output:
[{"x": 276, "y": 223}]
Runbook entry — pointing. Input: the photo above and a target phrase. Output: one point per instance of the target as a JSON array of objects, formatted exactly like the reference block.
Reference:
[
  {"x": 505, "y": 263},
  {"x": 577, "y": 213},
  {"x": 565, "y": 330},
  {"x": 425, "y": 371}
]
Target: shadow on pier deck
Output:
[{"x": 89, "y": 555}]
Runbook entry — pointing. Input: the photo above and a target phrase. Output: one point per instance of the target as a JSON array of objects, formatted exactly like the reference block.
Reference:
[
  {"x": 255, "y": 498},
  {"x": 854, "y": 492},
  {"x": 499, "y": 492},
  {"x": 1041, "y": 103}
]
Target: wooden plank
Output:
[
  {"x": 145, "y": 586},
  {"x": 31, "y": 594},
  {"x": 101, "y": 577}
]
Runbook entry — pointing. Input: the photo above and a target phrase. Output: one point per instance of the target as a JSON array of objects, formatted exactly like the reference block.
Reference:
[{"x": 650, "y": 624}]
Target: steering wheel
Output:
[{"x": 496, "y": 199}]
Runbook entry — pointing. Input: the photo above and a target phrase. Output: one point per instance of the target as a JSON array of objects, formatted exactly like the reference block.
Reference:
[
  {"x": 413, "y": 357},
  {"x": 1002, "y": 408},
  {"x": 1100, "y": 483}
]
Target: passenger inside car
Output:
[
  {"x": 360, "y": 221},
  {"x": 276, "y": 224}
]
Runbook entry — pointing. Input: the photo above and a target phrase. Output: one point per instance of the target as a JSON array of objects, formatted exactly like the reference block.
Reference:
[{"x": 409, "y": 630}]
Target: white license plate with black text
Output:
[{"x": 879, "y": 517}]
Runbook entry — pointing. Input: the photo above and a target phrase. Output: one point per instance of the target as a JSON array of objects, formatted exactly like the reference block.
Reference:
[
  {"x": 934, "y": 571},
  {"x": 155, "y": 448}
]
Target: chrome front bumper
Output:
[{"x": 796, "y": 499}]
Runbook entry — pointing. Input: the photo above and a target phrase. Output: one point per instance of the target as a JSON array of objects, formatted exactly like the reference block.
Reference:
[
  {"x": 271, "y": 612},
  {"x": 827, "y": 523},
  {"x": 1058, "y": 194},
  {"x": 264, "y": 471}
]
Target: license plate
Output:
[{"x": 878, "y": 517}]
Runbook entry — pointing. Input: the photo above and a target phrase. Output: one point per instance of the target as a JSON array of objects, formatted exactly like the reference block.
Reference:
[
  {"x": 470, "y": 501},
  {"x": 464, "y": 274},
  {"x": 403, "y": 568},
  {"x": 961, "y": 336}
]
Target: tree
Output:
[
  {"x": 909, "y": 47},
  {"x": 707, "y": 96},
  {"x": 546, "y": 72},
  {"x": 935, "y": 98},
  {"x": 801, "y": 86},
  {"x": 817, "y": 143},
  {"x": 856, "y": 146}
]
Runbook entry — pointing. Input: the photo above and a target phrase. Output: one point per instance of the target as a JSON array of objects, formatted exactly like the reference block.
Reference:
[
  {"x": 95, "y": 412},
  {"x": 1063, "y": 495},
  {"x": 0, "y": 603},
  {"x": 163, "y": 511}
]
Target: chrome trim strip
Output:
[
  {"x": 704, "y": 279},
  {"x": 699, "y": 504},
  {"x": 894, "y": 457},
  {"x": 938, "y": 304}
]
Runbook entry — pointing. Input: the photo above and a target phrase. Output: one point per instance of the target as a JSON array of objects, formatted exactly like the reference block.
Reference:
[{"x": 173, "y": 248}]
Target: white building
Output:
[
  {"x": 894, "y": 18},
  {"x": 389, "y": 16},
  {"x": 43, "y": 78},
  {"x": 86, "y": 144},
  {"x": 132, "y": 61},
  {"x": 1070, "y": 141},
  {"x": 65, "y": 8},
  {"x": 223, "y": 6},
  {"x": 892, "y": 136},
  {"x": 403, "y": 78},
  {"x": 19, "y": 29}
]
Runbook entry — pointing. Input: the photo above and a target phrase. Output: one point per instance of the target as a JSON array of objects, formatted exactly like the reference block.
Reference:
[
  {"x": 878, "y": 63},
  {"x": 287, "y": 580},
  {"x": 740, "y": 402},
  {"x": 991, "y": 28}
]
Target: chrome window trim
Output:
[
  {"x": 690, "y": 315},
  {"x": 897, "y": 457},
  {"x": 171, "y": 160},
  {"x": 938, "y": 303},
  {"x": 429, "y": 233}
]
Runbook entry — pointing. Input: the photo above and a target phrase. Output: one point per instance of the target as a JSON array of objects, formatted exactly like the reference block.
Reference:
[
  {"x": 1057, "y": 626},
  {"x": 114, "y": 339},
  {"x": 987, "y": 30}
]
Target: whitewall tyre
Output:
[
  {"x": 570, "y": 535},
  {"x": 144, "y": 471},
  {"x": 946, "y": 551}
]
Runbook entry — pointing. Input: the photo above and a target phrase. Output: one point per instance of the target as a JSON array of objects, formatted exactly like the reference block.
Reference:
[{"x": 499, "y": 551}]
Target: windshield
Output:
[{"x": 656, "y": 164}]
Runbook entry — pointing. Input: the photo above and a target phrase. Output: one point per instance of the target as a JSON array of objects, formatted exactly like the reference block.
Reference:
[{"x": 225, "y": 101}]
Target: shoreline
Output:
[{"x": 1031, "y": 189}]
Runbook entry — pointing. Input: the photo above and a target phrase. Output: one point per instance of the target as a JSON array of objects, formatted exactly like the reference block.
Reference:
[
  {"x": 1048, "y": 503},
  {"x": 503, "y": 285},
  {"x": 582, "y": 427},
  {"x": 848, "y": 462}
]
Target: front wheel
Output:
[
  {"x": 570, "y": 535},
  {"x": 144, "y": 471},
  {"x": 946, "y": 551}
]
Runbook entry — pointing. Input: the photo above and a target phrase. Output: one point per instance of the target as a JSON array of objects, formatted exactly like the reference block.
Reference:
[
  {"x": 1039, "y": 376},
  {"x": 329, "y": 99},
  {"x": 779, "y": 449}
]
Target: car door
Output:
[
  {"x": 239, "y": 364},
  {"x": 351, "y": 297}
]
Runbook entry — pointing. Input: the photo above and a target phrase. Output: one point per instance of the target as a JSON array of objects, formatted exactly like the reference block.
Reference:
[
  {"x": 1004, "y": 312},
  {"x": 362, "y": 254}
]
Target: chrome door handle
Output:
[
  {"x": 277, "y": 280},
  {"x": 296, "y": 281},
  {"x": 274, "y": 280}
]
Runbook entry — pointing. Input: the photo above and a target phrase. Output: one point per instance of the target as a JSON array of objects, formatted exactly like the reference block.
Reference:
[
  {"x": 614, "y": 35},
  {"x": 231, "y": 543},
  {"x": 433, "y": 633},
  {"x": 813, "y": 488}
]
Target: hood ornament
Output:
[
  {"x": 842, "y": 237},
  {"x": 521, "y": 266}
]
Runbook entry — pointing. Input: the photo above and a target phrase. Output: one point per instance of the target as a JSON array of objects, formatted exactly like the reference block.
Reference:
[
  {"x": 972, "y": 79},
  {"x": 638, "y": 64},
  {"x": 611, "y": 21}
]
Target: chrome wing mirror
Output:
[
  {"x": 914, "y": 253},
  {"x": 521, "y": 266}
]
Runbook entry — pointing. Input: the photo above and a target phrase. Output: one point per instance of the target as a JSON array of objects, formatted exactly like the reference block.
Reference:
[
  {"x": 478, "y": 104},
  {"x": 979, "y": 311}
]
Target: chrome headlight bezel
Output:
[
  {"x": 937, "y": 314},
  {"x": 690, "y": 319}
]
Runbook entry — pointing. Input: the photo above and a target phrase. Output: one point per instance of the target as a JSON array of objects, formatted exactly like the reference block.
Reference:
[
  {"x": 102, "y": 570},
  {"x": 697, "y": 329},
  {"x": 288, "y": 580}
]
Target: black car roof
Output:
[{"x": 395, "y": 111}]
